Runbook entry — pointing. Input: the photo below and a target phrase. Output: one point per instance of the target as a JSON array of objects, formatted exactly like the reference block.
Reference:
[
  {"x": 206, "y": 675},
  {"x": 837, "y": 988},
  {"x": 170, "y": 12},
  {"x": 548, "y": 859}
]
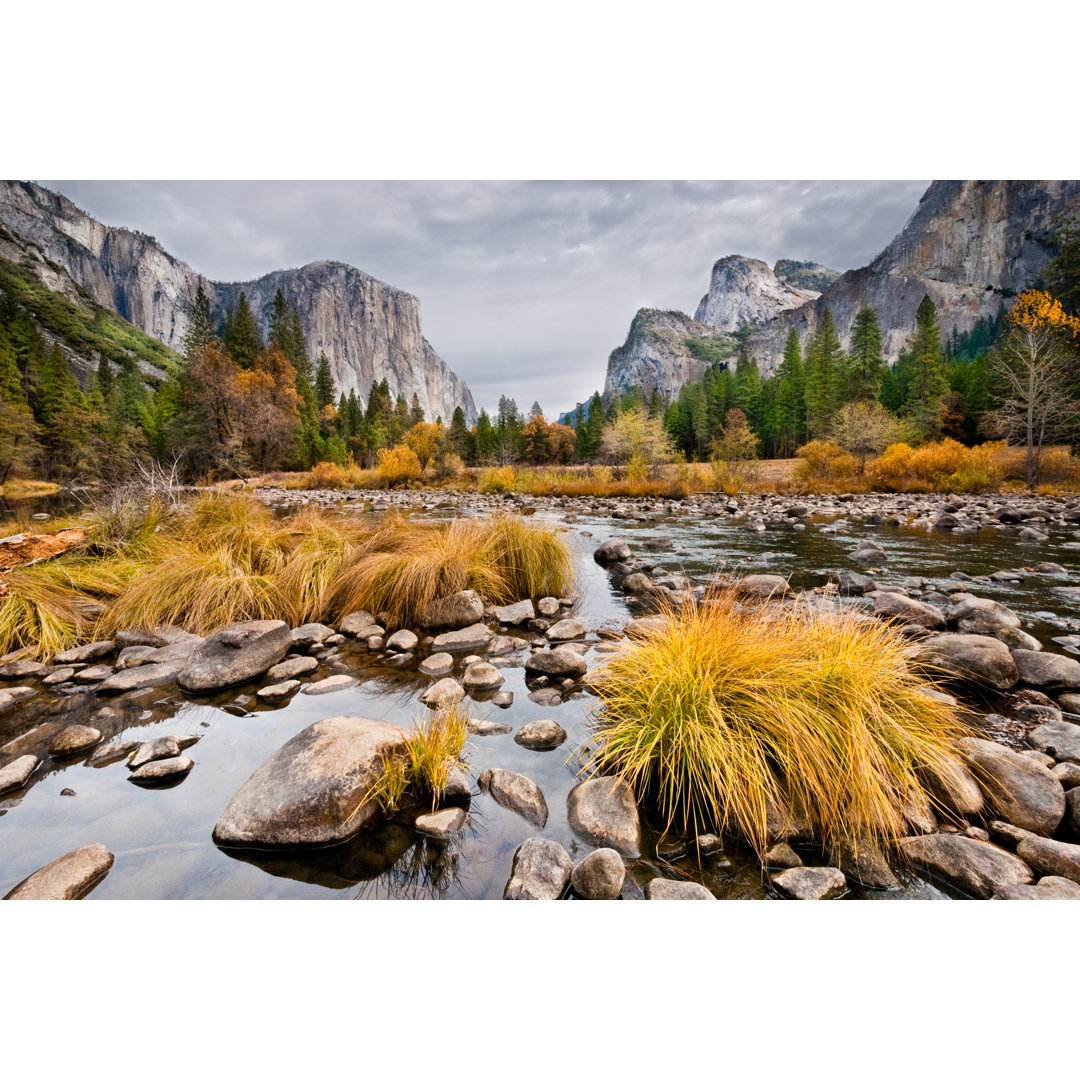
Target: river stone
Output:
[
  {"x": 972, "y": 658},
  {"x": 142, "y": 677},
  {"x": 471, "y": 637},
  {"x": 291, "y": 668},
  {"x": 566, "y": 630},
  {"x": 762, "y": 585},
  {"x": 54, "y": 678},
  {"x": 74, "y": 739},
  {"x": 1047, "y": 671},
  {"x": 890, "y": 605},
  {"x": 402, "y": 641},
  {"x": 20, "y": 669},
  {"x": 1051, "y": 856},
  {"x": 106, "y": 755},
  {"x": 437, "y": 665},
  {"x": 277, "y": 691},
  {"x": 810, "y": 882},
  {"x": 238, "y": 654},
  {"x": 315, "y": 789},
  {"x": 11, "y": 697},
  {"x": 665, "y": 889},
  {"x": 1059, "y": 738},
  {"x": 83, "y": 654},
  {"x": 165, "y": 746},
  {"x": 329, "y": 685},
  {"x": 134, "y": 655},
  {"x": 541, "y": 871},
  {"x": 516, "y": 614},
  {"x": 488, "y": 727},
  {"x": 548, "y": 607},
  {"x": 442, "y": 824},
  {"x": 453, "y": 612},
  {"x": 637, "y": 583},
  {"x": 1064, "y": 884},
  {"x": 515, "y": 792},
  {"x": 94, "y": 673},
  {"x": 781, "y": 857},
  {"x": 955, "y": 787},
  {"x": 599, "y": 876},
  {"x": 540, "y": 735},
  {"x": 561, "y": 662},
  {"x": 70, "y": 877},
  {"x": 603, "y": 811},
  {"x": 162, "y": 769},
  {"x": 444, "y": 692},
  {"x": 313, "y": 633},
  {"x": 1036, "y": 892},
  {"x": 613, "y": 551},
  {"x": 1072, "y": 810},
  {"x": 482, "y": 677},
  {"x": 356, "y": 623},
  {"x": 864, "y": 862},
  {"x": 1018, "y": 789},
  {"x": 15, "y": 773},
  {"x": 1067, "y": 774},
  {"x": 974, "y": 867},
  {"x": 852, "y": 584},
  {"x": 978, "y": 615}
]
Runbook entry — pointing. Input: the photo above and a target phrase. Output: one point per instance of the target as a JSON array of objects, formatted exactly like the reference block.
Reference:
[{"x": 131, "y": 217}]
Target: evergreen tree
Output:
[
  {"x": 416, "y": 411},
  {"x": 106, "y": 383},
  {"x": 790, "y": 423},
  {"x": 486, "y": 438},
  {"x": 1062, "y": 272},
  {"x": 535, "y": 411},
  {"x": 866, "y": 366},
  {"x": 325, "y": 390},
  {"x": 242, "y": 337},
  {"x": 11, "y": 383},
  {"x": 594, "y": 429},
  {"x": 59, "y": 391},
  {"x": 200, "y": 330},
  {"x": 926, "y": 382},
  {"x": 824, "y": 378}
]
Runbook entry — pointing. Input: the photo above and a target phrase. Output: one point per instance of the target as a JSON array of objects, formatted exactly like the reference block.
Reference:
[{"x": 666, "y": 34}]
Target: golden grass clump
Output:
[
  {"x": 44, "y": 612},
  {"x": 726, "y": 712}
]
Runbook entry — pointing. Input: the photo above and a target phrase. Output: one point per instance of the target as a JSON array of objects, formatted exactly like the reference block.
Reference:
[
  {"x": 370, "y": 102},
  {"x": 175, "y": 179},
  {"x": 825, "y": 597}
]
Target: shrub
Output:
[
  {"x": 498, "y": 481},
  {"x": 824, "y": 460},
  {"x": 1058, "y": 466},
  {"x": 637, "y": 471},
  {"x": 724, "y": 713},
  {"x": 327, "y": 474},
  {"x": 892, "y": 465},
  {"x": 936, "y": 461},
  {"x": 399, "y": 466},
  {"x": 449, "y": 467}
]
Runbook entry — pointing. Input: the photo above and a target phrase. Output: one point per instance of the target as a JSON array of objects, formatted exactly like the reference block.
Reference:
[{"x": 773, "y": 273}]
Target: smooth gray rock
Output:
[
  {"x": 1047, "y": 671},
  {"x": 166, "y": 746},
  {"x": 1058, "y": 738},
  {"x": 979, "y": 615},
  {"x": 1035, "y": 892},
  {"x": 489, "y": 727},
  {"x": 467, "y": 639},
  {"x": 356, "y": 623},
  {"x": 903, "y": 609},
  {"x": 541, "y": 871},
  {"x": 315, "y": 789},
  {"x": 444, "y": 692},
  {"x": 665, "y": 889},
  {"x": 162, "y": 769},
  {"x": 437, "y": 665},
  {"x": 970, "y": 658},
  {"x": 562, "y": 662},
  {"x": 15, "y": 773},
  {"x": 515, "y": 792},
  {"x": 955, "y": 788},
  {"x": 442, "y": 824},
  {"x": 20, "y": 669},
  {"x": 566, "y": 630},
  {"x": 70, "y": 877},
  {"x": 762, "y": 586},
  {"x": 599, "y": 876},
  {"x": 112, "y": 752},
  {"x": 852, "y": 584},
  {"x": 781, "y": 857},
  {"x": 277, "y": 691},
  {"x": 864, "y": 862},
  {"x": 810, "y": 882},
  {"x": 613, "y": 551},
  {"x": 1067, "y": 774},
  {"x": 11, "y": 696},
  {"x": 603, "y": 811},
  {"x": 1072, "y": 810},
  {"x": 482, "y": 677},
  {"x": 974, "y": 867},
  {"x": 540, "y": 735},
  {"x": 548, "y": 607},
  {"x": 453, "y": 612},
  {"x": 1018, "y": 789},
  {"x": 74, "y": 739},
  {"x": 54, "y": 678},
  {"x": 331, "y": 684},
  {"x": 402, "y": 641},
  {"x": 309, "y": 634},
  {"x": 238, "y": 654},
  {"x": 516, "y": 614},
  {"x": 292, "y": 668},
  {"x": 1051, "y": 856},
  {"x": 84, "y": 654}
]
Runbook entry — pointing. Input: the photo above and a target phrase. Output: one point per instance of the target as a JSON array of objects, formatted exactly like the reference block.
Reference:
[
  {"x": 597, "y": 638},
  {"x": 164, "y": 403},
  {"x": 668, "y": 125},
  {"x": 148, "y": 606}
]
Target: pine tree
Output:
[
  {"x": 791, "y": 398},
  {"x": 200, "y": 330},
  {"x": 325, "y": 390},
  {"x": 416, "y": 411},
  {"x": 11, "y": 384},
  {"x": 824, "y": 378},
  {"x": 926, "y": 381},
  {"x": 59, "y": 391},
  {"x": 866, "y": 365},
  {"x": 242, "y": 335},
  {"x": 1062, "y": 272},
  {"x": 486, "y": 438},
  {"x": 535, "y": 411}
]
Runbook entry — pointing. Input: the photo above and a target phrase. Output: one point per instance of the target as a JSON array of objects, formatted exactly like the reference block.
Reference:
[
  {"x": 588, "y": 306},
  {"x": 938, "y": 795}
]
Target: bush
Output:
[
  {"x": 936, "y": 461},
  {"x": 497, "y": 481},
  {"x": 327, "y": 474},
  {"x": 449, "y": 467},
  {"x": 1058, "y": 466},
  {"x": 891, "y": 466},
  {"x": 637, "y": 471},
  {"x": 825, "y": 460},
  {"x": 399, "y": 466}
]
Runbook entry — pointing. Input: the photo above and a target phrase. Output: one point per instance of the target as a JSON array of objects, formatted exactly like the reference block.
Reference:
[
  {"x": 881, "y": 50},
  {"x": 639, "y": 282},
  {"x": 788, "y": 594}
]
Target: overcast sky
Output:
[{"x": 525, "y": 288}]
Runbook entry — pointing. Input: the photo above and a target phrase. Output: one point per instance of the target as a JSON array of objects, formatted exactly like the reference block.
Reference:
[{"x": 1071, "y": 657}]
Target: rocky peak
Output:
[
  {"x": 811, "y": 276},
  {"x": 745, "y": 291}
]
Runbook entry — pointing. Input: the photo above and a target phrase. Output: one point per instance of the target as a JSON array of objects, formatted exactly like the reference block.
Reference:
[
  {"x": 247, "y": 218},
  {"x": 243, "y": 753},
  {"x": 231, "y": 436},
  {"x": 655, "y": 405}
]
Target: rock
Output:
[
  {"x": 972, "y": 866},
  {"x": 442, "y": 824},
  {"x": 541, "y": 871},
  {"x": 437, "y": 665},
  {"x": 853, "y": 584},
  {"x": 516, "y": 614},
  {"x": 291, "y": 668},
  {"x": 599, "y": 876},
  {"x": 1037, "y": 891},
  {"x": 402, "y": 641},
  {"x": 1059, "y": 738},
  {"x": 1072, "y": 810},
  {"x": 1061, "y": 883},
  {"x": 20, "y": 669},
  {"x": 781, "y": 856},
  {"x": 1047, "y": 671},
  {"x": 1029, "y": 535},
  {"x": 970, "y": 658},
  {"x": 566, "y": 630},
  {"x": 142, "y": 677},
  {"x": 1018, "y": 789},
  {"x": 890, "y": 605},
  {"x": 561, "y": 662},
  {"x": 162, "y": 769},
  {"x": 955, "y": 788},
  {"x": 444, "y": 692},
  {"x": 488, "y": 727},
  {"x": 540, "y": 735},
  {"x": 613, "y": 551},
  {"x": 315, "y": 789},
  {"x": 457, "y": 787},
  {"x": 515, "y": 792},
  {"x": 503, "y": 699},
  {"x": 919, "y": 814},
  {"x": 864, "y": 862},
  {"x": 329, "y": 685},
  {"x": 165, "y": 746},
  {"x": 106, "y": 755},
  {"x": 548, "y": 607},
  {"x": 238, "y": 654},
  {"x": 665, "y": 889},
  {"x": 54, "y": 678},
  {"x": 482, "y": 677},
  {"x": 708, "y": 844},
  {"x": 603, "y": 811},
  {"x": 871, "y": 556},
  {"x": 74, "y": 739},
  {"x": 1068, "y": 775},
  {"x": 310, "y": 634},
  {"x": 15, "y": 773},
  {"x": 637, "y": 583},
  {"x": 471, "y": 637},
  {"x": 811, "y": 882},
  {"x": 976, "y": 615},
  {"x": 84, "y": 654},
  {"x": 70, "y": 877},
  {"x": 1051, "y": 856},
  {"x": 355, "y": 624},
  {"x": 762, "y": 586},
  {"x": 453, "y": 612},
  {"x": 11, "y": 697},
  {"x": 277, "y": 691}
]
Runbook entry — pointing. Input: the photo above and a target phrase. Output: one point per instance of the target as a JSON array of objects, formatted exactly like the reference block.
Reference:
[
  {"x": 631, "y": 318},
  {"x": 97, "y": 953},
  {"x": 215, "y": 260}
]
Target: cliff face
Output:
[
  {"x": 743, "y": 291},
  {"x": 368, "y": 330},
  {"x": 655, "y": 355},
  {"x": 969, "y": 245}
]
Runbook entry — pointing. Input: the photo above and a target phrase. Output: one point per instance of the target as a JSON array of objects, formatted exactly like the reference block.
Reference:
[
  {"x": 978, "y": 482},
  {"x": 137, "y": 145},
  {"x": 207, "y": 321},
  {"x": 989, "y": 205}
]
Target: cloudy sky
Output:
[{"x": 525, "y": 288}]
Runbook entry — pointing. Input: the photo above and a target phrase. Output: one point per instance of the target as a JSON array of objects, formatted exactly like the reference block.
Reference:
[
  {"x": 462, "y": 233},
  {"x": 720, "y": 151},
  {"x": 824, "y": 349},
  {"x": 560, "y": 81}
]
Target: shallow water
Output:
[{"x": 161, "y": 837}]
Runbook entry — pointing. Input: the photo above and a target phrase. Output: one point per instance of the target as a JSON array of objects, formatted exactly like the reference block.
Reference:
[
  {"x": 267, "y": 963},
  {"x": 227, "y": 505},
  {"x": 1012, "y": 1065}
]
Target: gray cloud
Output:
[{"x": 525, "y": 287}]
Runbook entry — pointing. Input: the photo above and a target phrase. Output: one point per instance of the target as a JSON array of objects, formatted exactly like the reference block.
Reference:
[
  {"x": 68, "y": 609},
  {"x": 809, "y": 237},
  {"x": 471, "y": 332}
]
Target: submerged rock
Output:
[
  {"x": 162, "y": 769},
  {"x": 167, "y": 746},
  {"x": 238, "y": 654},
  {"x": 70, "y": 877},
  {"x": 74, "y": 739},
  {"x": 603, "y": 811},
  {"x": 541, "y": 871},
  {"x": 515, "y": 792},
  {"x": 442, "y": 824}
]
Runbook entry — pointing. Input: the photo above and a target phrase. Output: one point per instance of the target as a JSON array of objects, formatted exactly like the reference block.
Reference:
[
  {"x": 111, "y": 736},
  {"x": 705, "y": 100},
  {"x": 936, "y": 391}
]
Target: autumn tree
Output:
[
  {"x": 635, "y": 434},
  {"x": 210, "y": 422},
  {"x": 865, "y": 428},
  {"x": 424, "y": 440},
  {"x": 269, "y": 413}
]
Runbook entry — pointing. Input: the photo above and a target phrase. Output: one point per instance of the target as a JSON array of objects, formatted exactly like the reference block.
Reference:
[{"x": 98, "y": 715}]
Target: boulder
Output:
[
  {"x": 163, "y": 769},
  {"x": 453, "y": 612},
  {"x": 781, "y": 857},
  {"x": 852, "y": 584},
  {"x": 1018, "y": 789},
  {"x": 978, "y": 615},
  {"x": 84, "y": 654},
  {"x": 599, "y": 876},
  {"x": 811, "y": 882},
  {"x": 561, "y": 662},
  {"x": 444, "y": 692},
  {"x": 238, "y": 654},
  {"x": 291, "y": 668},
  {"x": 540, "y": 735},
  {"x": 471, "y": 637},
  {"x": 437, "y": 665},
  {"x": 1067, "y": 774},
  {"x": 1046, "y": 670},
  {"x": 15, "y": 773},
  {"x": 762, "y": 586},
  {"x": 970, "y": 658},
  {"x": 442, "y": 824},
  {"x": 315, "y": 789},
  {"x": 1058, "y": 738},
  {"x": 166, "y": 746},
  {"x": 1072, "y": 810},
  {"x": 973, "y": 866},
  {"x": 355, "y": 624},
  {"x": 548, "y": 607},
  {"x": 70, "y": 877},
  {"x": 74, "y": 739},
  {"x": 541, "y": 871},
  {"x": 896, "y": 606},
  {"x": 665, "y": 889},
  {"x": 613, "y": 551},
  {"x": 566, "y": 630},
  {"x": 1051, "y": 856},
  {"x": 482, "y": 677},
  {"x": 955, "y": 788},
  {"x": 603, "y": 811},
  {"x": 516, "y": 614},
  {"x": 312, "y": 633},
  {"x": 864, "y": 863},
  {"x": 515, "y": 792}
]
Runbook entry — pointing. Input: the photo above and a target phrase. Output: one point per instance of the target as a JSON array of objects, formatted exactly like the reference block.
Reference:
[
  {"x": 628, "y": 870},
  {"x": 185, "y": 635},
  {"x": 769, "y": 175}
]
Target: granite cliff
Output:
[{"x": 744, "y": 291}]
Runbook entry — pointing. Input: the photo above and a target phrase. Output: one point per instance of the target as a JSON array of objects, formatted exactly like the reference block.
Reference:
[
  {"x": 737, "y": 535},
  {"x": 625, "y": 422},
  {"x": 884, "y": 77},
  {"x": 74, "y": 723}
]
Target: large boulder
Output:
[
  {"x": 1047, "y": 671},
  {"x": 566, "y": 630},
  {"x": 453, "y": 612},
  {"x": 541, "y": 871},
  {"x": 314, "y": 790},
  {"x": 955, "y": 788},
  {"x": 603, "y": 811},
  {"x": 973, "y": 866},
  {"x": 863, "y": 862},
  {"x": 70, "y": 877},
  {"x": 515, "y": 792},
  {"x": 561, "y": 662},
  {"x": 541, "y": 735},
  {"x": 900, "y": 608},
  {"x": 237, "y": 654},
  {"x": 978, "y": 615},
  {"x": 972, "y": 658},
  {"x": 1018, "y": 789},
  {"x": 470, "y": 637}
]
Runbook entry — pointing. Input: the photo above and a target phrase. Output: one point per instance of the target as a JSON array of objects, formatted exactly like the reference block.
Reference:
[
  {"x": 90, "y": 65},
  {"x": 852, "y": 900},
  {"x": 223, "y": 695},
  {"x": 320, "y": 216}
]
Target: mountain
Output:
[
  {"x": 744, "y": 291},
  {"x": 805, "y": 275},
  {"x": 663, "y": 350},
  {"x": 970, "y": 245},
  {"x": 369, "y": 330}
]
